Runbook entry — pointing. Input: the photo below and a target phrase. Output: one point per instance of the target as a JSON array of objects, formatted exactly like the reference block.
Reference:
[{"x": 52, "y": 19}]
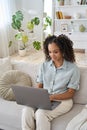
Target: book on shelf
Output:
[
  {"x": 59, "y": 14},
  {"x": 83, "y": 2}
]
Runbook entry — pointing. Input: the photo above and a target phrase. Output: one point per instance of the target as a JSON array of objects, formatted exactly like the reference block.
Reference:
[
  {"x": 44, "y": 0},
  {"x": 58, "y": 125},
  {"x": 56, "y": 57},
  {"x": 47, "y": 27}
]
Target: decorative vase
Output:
[
  {"x": 61, "y": 2},
  {"x": 22, "y": 52},
  {"x": 67, "y": 2},
  {"x": 82, "y": 28}
]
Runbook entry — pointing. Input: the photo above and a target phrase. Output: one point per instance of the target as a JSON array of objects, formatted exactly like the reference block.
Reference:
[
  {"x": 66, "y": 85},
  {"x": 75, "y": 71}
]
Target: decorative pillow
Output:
[
  {"x": 5, "y": 65},
  {"x": 12, "y": 77}
]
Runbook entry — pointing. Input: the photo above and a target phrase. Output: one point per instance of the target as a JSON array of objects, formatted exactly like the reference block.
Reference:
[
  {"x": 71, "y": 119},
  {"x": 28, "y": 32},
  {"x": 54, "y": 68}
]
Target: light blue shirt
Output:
[{"x": 58, "y": 80}]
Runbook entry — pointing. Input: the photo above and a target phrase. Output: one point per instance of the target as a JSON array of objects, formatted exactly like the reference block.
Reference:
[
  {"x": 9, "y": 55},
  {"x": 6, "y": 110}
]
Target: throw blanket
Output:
[{"x": 79, "y": 122}]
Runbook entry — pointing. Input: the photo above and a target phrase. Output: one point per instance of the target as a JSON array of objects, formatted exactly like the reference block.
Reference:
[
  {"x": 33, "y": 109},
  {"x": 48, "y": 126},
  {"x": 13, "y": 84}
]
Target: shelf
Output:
[
  {"x": 75, "y": 36},
  {"x": 70, "y": 20},
  {"x": 70, "y": 6},
  {"x": 32, "y": 56},
  {"x": 73, "y": 33},
  {"x": 83, "y": 19}
]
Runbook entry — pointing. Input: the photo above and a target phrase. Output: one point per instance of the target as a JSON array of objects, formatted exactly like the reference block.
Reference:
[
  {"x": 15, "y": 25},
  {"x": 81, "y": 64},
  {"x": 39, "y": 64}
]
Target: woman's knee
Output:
[
  {"x": 39, "y": 113},
  {"x": 68, "y": 102},
  {"x": 27, "y": 111},
  {"x": 28, "y": 118}
]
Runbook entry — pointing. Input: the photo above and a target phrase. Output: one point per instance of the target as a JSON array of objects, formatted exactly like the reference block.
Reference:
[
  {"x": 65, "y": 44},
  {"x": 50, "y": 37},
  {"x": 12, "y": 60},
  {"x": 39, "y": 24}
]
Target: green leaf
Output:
[
  {"x": 13, "y": 18},
  {"x": 45, "y": 26},
  {"x": 37, "y": 45},
  {"x": 18, "y": 36},
  {"x": 19, "y": 15},
  {"x": 30, "y": 25},
  {"x": 48, "y": 20},
  {"x": 16, "y": 20},
  {"x": 10, "y": 43},
  {"x": 14, "y": 26},
  {"x": 35, "y": 21},
  {"x": 18, "y": 24},
  {"x": 24, "y": 39}
]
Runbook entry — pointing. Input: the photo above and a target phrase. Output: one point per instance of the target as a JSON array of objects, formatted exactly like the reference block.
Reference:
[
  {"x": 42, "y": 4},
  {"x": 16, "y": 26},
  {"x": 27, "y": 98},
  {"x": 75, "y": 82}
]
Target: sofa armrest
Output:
[{"x": 81, "y": 94}]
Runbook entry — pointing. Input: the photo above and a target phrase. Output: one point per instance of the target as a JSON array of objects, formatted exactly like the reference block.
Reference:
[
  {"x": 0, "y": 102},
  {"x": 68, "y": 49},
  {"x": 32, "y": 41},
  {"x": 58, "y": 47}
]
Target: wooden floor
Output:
[{"x": 37, "y": 57}]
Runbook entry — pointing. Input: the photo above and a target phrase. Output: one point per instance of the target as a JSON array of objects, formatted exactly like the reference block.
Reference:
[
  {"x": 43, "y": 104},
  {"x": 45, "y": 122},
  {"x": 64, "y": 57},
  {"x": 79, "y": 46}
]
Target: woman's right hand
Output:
[{"x": 39, "y": 85}]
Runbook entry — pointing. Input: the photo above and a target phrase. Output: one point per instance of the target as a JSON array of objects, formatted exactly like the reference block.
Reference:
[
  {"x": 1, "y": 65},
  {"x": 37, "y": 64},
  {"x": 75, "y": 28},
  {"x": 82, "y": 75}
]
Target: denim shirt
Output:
[{"x": 58, "y": 80}]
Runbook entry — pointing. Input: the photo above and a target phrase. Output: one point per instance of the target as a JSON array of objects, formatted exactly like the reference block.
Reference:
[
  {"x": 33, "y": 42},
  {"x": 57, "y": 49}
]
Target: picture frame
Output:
[{"x": 64, "y": 27}]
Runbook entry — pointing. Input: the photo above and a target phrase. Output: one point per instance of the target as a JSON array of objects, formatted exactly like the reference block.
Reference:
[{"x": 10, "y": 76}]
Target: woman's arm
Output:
[{"x": 67, "y": 95}]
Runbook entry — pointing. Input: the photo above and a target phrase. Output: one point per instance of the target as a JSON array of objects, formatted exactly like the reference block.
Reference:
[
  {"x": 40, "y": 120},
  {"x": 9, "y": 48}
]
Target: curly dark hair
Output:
[{"x": 65, "y": 45}]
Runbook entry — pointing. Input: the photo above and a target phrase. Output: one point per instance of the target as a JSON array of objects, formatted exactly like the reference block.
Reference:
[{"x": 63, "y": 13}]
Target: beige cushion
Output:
[
  {"x": 5, "y": 65},
  {"x": 12, "y": 77}
]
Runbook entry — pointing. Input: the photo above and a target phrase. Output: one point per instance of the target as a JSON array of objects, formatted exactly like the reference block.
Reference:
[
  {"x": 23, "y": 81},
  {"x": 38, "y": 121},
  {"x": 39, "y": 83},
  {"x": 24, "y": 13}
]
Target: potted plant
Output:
[
  {"x": 60, "y": 2},
  {"x": 20, "y": 36},
  {"x": 22, "y": 40}
]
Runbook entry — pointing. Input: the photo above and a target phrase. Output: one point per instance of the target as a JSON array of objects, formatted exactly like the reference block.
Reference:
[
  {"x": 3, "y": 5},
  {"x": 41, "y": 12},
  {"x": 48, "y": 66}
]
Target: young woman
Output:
[{"x": 60, "y": 76}]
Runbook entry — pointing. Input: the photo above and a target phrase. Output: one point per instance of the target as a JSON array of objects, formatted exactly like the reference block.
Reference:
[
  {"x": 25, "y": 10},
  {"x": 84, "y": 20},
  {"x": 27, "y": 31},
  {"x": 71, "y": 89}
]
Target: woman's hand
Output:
[
  {"x": 51, "y": 97},
  {"x": 63, "y": 96},
  {"x": 39, "y": 85}
]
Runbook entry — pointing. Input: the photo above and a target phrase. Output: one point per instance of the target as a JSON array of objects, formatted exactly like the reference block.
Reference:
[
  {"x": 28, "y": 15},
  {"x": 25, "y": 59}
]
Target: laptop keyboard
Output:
[{"x": 55, "y": 104}]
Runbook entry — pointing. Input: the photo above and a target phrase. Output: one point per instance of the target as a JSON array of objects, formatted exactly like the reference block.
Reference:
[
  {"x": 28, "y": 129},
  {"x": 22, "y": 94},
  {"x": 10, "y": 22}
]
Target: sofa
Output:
[{"x": 10, "y": 111}]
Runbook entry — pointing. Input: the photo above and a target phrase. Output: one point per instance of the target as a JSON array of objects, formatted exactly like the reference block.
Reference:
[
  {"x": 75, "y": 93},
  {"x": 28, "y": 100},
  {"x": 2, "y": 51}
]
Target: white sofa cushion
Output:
[
  {"x": 81, "y": 95},
  {"x": 12, "y": 77},
  {"x": 10, "y": 115},
  {"x": 5, "y": 65},
  {"x": 29, "y": 68}
]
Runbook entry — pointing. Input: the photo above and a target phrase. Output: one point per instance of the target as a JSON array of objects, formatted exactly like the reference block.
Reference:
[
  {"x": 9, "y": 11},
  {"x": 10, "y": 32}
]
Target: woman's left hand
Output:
[
  {"x": 51, "y": 97},
  {"x": 63, "y": 96}
]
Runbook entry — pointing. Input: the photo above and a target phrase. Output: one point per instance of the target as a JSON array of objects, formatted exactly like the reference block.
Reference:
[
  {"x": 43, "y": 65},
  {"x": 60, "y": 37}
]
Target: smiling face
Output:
[{"x": 54, "y": 52}]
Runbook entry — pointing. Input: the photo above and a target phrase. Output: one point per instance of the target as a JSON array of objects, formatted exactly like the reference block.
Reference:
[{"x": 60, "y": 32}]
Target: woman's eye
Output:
[
  {"x": 53, "y": 52},
  {"x": 56, "y": 52}
]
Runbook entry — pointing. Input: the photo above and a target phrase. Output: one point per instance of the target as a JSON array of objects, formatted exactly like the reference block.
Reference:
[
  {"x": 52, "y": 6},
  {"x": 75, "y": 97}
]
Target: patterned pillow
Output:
[{"x": 12, "y": 77}]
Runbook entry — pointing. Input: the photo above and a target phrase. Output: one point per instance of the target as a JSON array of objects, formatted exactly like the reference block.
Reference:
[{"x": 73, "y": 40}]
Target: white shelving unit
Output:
[{"x": 68, "y": 20}]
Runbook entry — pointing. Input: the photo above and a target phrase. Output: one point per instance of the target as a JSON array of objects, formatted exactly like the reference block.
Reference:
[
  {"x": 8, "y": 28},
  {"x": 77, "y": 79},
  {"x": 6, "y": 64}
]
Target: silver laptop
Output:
[{"x": 33, "y": 97}]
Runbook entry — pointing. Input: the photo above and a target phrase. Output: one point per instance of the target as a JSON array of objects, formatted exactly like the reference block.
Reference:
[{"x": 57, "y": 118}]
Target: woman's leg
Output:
[
  {"x": 44, "y": 117},
  {"x": 28, "y": 120}
]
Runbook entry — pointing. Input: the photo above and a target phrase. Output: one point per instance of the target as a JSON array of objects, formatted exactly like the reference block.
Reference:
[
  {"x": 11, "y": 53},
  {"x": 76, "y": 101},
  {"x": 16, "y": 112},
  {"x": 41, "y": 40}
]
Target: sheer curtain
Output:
[
  {"x": 49, "y": 12},
  {"x": 6, "y": 9}
]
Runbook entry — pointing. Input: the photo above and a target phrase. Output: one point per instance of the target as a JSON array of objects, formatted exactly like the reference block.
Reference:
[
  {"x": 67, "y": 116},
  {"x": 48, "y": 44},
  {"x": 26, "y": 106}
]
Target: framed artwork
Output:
[{"x": 64, "y": 27}]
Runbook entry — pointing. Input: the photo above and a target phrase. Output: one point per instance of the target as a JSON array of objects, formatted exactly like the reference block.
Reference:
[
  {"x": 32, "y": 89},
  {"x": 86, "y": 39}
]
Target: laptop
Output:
[{"x": 33, "y": 97}]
